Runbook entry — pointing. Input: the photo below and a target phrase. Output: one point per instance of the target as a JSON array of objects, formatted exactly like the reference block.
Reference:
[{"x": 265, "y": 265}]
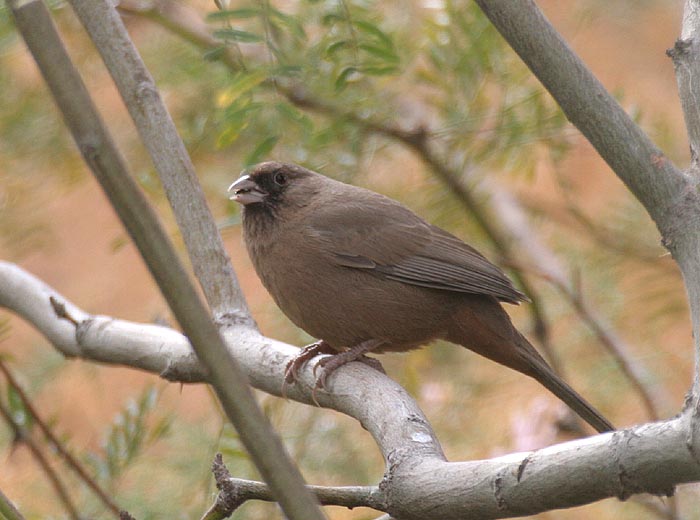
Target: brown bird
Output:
[{"x": 363, "y": 273}]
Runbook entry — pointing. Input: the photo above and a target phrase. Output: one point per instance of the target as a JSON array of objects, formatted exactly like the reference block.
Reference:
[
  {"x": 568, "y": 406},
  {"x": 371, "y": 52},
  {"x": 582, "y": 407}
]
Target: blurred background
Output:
[{"x": 419, "y": 100}]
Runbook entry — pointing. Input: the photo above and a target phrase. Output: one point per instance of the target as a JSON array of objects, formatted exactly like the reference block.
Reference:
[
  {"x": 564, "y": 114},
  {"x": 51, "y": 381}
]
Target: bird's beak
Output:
[{"x": 246, "y": 191}]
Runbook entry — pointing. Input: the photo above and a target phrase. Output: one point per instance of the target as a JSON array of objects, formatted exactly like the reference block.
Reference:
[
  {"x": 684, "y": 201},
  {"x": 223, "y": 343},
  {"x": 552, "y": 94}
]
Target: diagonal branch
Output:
[
  {"x": 56, "y": 444},
  {"x": 99, "y": 151},
  {"x": 210, "y": 260},
  {"x": 21, "y": 435},
  {"x": 639, "y": 163}
]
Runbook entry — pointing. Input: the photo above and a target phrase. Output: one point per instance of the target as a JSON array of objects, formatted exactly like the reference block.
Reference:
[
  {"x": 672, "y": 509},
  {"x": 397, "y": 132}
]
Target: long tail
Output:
[
  {"x": 555, "y": 384},
  {"x": 482, "y": 326}
]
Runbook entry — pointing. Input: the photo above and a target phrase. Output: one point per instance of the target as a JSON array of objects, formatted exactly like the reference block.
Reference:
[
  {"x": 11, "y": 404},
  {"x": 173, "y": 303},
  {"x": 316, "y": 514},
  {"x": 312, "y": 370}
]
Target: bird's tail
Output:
[
  {"x": 544, "y": 374},
  {"x": 486, "y": 329}
]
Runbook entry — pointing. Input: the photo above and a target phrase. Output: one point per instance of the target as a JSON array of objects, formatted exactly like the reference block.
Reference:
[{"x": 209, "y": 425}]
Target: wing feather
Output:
[{"x": 393, "y": 242}]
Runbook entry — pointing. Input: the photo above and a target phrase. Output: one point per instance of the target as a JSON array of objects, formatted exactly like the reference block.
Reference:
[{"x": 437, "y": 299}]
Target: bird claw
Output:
[
  {"x": 329, "y": 364},
  {"x": 291, "y": 371}
]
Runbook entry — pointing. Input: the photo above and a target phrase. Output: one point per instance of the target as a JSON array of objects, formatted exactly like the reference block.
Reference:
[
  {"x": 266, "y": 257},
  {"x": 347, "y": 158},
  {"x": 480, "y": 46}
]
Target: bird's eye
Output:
[{"x": 280, "y": 179}]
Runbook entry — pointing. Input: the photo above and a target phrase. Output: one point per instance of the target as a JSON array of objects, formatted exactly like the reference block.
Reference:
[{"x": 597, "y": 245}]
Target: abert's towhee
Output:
[{"x": 365, "y": 274}]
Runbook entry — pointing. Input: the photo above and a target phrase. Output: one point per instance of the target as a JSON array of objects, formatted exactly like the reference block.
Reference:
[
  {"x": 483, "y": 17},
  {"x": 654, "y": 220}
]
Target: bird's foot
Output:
[
  {"x": 291, "y": 372},
  {"x": 356, "y": 353}
]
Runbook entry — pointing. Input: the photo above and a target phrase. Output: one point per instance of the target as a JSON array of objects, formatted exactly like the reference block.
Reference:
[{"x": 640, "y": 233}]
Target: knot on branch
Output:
[
  {"x": 680, "y": 218},
  {"x": 229, "y": 499},
  {"x": 680, "y": 49}
]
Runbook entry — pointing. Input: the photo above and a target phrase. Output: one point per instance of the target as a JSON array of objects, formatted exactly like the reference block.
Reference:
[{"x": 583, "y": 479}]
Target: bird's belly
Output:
[{"x": 345, "y": 306}]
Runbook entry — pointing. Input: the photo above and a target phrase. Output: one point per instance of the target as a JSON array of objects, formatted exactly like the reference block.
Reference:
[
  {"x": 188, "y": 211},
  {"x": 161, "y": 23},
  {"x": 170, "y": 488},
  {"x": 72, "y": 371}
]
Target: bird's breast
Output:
[{"x": 344, "y": 305}]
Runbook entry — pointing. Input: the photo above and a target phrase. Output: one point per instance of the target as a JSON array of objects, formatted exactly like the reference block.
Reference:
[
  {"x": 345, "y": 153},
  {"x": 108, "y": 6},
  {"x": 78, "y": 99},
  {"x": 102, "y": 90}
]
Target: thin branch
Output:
[
  {"x": 57, "y": 444},
  {"x": 34, "y": 23},
  {"x": 22, "y": 436},
  {"x": 549, "y": 268},
  {"x": 686, "y": 60},
  {"x": 234, "y": 492},
  {"x": 618, "y": 349},
  {"x": 636, "y": 160},
  {"x": 209, "y": 258}
]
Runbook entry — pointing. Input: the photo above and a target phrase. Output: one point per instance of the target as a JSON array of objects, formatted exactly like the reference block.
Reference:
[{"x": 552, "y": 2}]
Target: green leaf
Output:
[
  {"x": 337, "y": 46},
  {"x": 380, "y": 52},
  {"x": 18, "y": 410},
  {"x": 242, "y": 83},
  {"x": 380, "y": 71},
  {"x": 291, "y": 22},
  {"x": 264, "y": 148},
  {"x": 234, "y": 14},
  {"x": 345, "y": 76},
  {"x": 286, "y": 70},
  {"x": 373, "y": 30},
  {"x": 291, "y": 113},
  {"x": 214, "y": 54},
  {"x": 331, "y": 19},
  {"x": 238, "y": 35}
]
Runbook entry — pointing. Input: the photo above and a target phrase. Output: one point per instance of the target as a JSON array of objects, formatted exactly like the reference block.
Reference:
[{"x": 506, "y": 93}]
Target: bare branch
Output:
[
  {"x": 653, "y": 179},
  {"x": 229, "y": 381},
  {"x": 56, "y": 444},
  {"x": 59, "y": 487},
  {"x": 686, "y": 60},
  {"x": 234, "y": 492},
  {"x": 210, "y": 260}
]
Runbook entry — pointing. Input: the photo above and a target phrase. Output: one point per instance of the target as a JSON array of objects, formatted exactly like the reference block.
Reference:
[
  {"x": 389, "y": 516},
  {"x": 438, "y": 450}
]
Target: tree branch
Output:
[
  {"x": 229, "y": 381},
  {"x": 56, "y": 444},
  {"x": 651, "y": 177},
  {"x": 22, "y": 436},
  {"x": 210, "y": 261},
  {"x": 8, "y": 510},
  {"x": 650, "y": 458},
  {"x": 234, "y": 492},
  {"x": 670, "y": 196}
]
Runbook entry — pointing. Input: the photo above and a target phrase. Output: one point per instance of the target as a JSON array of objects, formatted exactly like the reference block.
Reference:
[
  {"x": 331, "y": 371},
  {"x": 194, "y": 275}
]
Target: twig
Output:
[
  {"x": 56, "y": 444},
  {"x": 22, "y": 436},
  {"x": 613, "y": 343},
  {"x": 234, "y": 492}
]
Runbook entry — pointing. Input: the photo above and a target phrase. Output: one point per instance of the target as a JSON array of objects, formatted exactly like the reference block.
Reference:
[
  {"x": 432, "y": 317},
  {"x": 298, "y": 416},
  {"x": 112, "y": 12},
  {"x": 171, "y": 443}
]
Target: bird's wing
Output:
[{"x": 387, "y": 238}]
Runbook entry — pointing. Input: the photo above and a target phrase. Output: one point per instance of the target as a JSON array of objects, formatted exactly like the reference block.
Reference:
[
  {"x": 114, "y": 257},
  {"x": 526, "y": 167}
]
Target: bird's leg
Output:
[
  {"x": 291, "y": 372},
  {"x": 356, "y": 353}
]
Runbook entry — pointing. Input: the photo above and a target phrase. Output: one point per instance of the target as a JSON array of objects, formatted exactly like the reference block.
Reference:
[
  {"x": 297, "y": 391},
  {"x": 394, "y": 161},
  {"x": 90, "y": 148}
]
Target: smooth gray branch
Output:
[{"x": 650, "y": 458}]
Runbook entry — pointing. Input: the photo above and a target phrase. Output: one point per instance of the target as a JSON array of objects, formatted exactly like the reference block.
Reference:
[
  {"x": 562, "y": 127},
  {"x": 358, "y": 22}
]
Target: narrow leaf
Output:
[
  {"x": 238, "y": 35},
  {"x": 264, "y": 148}
]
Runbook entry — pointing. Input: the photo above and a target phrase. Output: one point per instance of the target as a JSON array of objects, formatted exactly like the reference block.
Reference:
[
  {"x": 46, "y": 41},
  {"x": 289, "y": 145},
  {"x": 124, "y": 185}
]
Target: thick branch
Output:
[
  {"x": 653, "y": 179},
  {"x": 651, "y": 458},
  {"x": 686, "y": 60},
  {"x": 393, "y": 419}
]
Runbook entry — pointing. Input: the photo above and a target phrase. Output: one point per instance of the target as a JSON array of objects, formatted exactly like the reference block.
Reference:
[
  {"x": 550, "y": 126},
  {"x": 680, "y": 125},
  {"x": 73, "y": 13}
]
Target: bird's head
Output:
[{"x": 272, "y": 184}]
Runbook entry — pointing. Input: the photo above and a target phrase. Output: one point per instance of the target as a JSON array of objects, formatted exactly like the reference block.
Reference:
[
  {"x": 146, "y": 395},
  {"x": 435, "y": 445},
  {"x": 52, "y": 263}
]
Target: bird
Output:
[{"x": 364, "y": 274}]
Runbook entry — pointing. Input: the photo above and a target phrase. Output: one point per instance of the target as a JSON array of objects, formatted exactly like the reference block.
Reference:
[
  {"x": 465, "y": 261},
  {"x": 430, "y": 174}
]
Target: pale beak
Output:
[{"x": 246, "y": 191}]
